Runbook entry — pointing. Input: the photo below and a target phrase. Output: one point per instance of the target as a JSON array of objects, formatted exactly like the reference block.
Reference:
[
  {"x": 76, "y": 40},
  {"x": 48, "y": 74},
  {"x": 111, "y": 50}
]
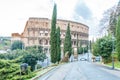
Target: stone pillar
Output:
[
  {"x": 75, "y": 53},
  {"x": 62, "y": 53}
]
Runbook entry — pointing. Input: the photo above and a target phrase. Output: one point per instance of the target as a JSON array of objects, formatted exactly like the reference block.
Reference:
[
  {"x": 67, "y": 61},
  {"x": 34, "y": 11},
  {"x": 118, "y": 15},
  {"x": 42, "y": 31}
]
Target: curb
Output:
[
  {"x": 37, "y": 76},
  {"x": 110, "y": 67}
]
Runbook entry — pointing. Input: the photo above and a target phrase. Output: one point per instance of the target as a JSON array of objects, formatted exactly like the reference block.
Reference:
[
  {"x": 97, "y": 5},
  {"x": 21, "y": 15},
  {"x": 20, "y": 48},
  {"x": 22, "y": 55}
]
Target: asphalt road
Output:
[{"x": 82, "y": 70}]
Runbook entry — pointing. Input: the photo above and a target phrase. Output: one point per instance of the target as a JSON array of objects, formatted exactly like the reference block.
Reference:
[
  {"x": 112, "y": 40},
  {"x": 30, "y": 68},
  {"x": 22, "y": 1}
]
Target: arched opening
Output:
[
  {"x": 46, "y": 42},
  {"x": 41, "y": 42}
]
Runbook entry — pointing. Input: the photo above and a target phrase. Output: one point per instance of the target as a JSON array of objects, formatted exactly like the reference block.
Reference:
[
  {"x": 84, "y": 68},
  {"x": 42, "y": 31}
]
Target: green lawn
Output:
[{"x": 117, "y": 64}]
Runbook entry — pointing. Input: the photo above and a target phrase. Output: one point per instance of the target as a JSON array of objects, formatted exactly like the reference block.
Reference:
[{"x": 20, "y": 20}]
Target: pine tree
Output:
[
  {"x": 53, "y": 50},
  {"x": 58, "y": 45},
  {"x": 118, "y": 38},
  {"x": 67, "y": 42}
]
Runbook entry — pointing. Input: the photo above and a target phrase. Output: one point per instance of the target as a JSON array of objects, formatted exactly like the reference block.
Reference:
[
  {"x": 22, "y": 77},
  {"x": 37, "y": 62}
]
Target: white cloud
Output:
[
  {"x": 65, "y": 8},
  {"x": 97, "y": 7},
  {"x": 15, "y": 13}
]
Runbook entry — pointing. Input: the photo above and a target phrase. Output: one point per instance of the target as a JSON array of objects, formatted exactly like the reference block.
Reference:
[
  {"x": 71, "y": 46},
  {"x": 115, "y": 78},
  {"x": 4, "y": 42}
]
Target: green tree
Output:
[
  {"x": 118, "y": 38},
  {"x": 58, "y": 45},
  {"x": 53, "y": 49},
  {"x": 109, "y": 20},
  {"x": 37, "y": 51},
  {"x": 90, "y": 45},
  {"x": 95, "y": 48},
  {"x": 10, "y": 70},
  {"x": 67, "y": 42},
  {"x": 30, "y": 59},
  {"x": 80, "y": 50},
  {"x": 86, "y": 49},
  {"x": 17, "y": 45},
  {"x": 77, "y": 45},
  {"x": 40, "y": 48},
  {"x": 103, "y": 47}
]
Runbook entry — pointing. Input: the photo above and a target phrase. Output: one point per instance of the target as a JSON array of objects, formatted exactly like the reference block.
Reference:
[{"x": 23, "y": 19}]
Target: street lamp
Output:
[{"x": 113, "y": 51}]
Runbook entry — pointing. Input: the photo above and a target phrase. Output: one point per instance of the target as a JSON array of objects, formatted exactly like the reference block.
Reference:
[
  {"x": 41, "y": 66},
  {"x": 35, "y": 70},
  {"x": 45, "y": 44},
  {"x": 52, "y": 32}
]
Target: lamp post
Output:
[{"x": 113, "y": 51}]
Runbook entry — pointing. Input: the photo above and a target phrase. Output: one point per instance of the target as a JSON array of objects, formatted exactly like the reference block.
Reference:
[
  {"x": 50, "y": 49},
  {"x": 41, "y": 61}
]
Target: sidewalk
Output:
[
  {"x": 46, "y": 71},
  {"x": 109, "y": 69},
  {"x": 107, "y": 66},
  {"x": 42, "y": 72}
]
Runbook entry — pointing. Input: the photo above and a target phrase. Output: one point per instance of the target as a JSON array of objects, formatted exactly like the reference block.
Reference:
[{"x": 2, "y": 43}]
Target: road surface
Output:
[{"x": 81, "y": 70}]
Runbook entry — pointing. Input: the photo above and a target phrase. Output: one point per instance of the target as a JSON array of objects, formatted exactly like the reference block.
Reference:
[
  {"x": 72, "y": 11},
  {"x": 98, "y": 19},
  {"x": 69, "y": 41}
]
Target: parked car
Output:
[
  {"x": 97, "y": 58},
  {"x": 83, "y": 59}
]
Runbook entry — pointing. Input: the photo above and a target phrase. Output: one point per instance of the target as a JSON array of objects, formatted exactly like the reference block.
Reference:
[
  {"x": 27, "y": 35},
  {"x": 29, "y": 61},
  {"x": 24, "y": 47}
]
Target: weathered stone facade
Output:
[{"x": 37, "y": 32}]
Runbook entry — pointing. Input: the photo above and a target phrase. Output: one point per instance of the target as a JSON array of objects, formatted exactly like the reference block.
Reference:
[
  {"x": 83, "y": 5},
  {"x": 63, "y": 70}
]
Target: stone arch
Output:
[
  {"x": 45, "y": 41},
  {"x": 41, "y": 41}
]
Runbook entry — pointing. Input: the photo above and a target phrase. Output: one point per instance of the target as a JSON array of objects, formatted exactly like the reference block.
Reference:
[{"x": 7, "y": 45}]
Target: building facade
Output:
[{"x": 37, "y": 32}]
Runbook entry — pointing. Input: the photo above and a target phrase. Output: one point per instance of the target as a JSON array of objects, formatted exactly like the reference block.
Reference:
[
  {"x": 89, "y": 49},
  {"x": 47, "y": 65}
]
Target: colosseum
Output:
[{"x": 37, "y": 32}]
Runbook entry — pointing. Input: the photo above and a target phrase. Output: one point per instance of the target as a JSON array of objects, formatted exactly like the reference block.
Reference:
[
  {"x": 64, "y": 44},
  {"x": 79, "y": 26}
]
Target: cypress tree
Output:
[
  {"x": 118, "y": 38},
  {"x": 53, "y": 50},
  {"x": 58, "y": 45},
  {"x": 67, "y": 41},
  {"x": 77, "y": 45}
]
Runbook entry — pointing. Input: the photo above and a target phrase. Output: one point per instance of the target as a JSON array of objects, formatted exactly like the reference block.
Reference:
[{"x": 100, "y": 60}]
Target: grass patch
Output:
[{"x": 117, "y": 64}]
